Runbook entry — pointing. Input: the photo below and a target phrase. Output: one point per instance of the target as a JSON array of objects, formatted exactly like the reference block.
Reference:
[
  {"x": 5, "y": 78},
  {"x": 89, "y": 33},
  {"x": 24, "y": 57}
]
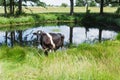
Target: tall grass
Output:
[{"x": 100, "y": 61}]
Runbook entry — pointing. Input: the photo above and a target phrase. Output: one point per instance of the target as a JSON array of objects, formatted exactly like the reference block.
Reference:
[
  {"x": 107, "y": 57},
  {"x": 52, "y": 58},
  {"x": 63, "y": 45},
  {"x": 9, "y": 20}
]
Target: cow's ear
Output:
[{"x": 34, "y": 33}]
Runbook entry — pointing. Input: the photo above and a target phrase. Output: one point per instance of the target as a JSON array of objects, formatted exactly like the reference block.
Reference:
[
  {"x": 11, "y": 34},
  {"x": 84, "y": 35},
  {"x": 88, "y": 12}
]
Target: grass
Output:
[
  {"x": 100, "y": 61},
  {"x": 37, "y": 18},
  {"x": 67, "y": 9}
]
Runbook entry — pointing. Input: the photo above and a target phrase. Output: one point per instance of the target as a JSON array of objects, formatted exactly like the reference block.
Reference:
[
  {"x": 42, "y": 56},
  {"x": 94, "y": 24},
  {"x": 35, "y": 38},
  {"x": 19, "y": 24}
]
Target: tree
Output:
[
  {"x": 64, "y": 5},
  {"x": 71, "y": 7},
  {"x": 105, "y": 3},
  {"x": 37, "y": 2},
  {"x": 5, "y": 7},
  {"x": 80, "y": 3},
  {"x": 92, "y": 3},
  {"x": 11, "y": 7},
  {"x": 118, "y": 10},
  {"x": 84, "y": 2},
  {"x": 101, "y": 6},
  {"x": 20, "y": 7}
]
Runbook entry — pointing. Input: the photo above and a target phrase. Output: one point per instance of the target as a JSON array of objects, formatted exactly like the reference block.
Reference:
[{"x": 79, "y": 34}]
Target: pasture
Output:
[
  {"x": 67, "y": 9},
  {"x": 64, "y": 9}
]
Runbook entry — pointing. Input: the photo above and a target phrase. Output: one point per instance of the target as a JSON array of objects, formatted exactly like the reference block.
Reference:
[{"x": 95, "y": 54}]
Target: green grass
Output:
[{"x": 100, "y": 61}]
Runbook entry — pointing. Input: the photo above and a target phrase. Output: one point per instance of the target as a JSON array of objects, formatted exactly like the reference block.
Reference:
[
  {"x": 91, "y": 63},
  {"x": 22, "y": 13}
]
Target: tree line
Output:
[{"x": 86, "y": 3}]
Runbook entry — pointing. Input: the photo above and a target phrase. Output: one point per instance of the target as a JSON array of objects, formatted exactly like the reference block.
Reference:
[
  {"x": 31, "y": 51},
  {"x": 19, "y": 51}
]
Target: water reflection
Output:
[
  {"x": 72, "y": 34},
  {"x": 12, "y": 37},
  {"x": 16, "y": 37}
]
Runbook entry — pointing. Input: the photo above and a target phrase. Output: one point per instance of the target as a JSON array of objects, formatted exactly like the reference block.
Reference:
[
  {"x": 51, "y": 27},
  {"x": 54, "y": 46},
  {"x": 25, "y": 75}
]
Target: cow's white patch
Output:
[{"x": 51, "y": 40}]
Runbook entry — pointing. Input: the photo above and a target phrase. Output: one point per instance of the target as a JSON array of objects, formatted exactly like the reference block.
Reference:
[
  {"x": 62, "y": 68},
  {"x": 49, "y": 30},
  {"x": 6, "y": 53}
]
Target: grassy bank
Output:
[
  {"x": 83, "y": 18},
  {"x": 36, "y": 18},
  {"x": 55, "y": 14},
  {"x": 86, "y": 62},
  {"x": 103, "y": 21}
]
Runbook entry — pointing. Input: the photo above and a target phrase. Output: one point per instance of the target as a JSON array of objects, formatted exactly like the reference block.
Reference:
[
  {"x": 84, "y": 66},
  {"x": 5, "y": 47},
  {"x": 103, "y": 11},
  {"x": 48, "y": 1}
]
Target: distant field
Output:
[
  {"x": 64, "y": 9},
  {"x": 67, "y": 9},
  {"x": 1, "y": 10}
]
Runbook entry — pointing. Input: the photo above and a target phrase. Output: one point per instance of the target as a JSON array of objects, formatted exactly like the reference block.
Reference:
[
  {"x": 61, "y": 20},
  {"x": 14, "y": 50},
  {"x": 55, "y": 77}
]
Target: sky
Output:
[{"x": 56, "y": 2}]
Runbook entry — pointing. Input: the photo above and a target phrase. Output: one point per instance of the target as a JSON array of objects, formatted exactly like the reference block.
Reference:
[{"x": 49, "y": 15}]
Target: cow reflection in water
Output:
[{"x": 49, "y": 41}]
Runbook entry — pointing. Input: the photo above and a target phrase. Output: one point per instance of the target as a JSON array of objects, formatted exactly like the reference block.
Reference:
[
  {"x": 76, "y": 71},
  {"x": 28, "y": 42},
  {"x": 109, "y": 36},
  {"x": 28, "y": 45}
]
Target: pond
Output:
[{"x": 75, "y": 35}]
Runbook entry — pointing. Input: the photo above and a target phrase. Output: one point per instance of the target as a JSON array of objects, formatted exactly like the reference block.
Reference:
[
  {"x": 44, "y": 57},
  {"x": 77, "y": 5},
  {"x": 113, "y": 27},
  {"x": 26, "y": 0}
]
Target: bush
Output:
[{"x": 3, "y": 20}]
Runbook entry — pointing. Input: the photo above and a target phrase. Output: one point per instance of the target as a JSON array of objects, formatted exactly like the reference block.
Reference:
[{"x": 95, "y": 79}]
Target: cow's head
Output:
[{"x": 38, "y": 34}]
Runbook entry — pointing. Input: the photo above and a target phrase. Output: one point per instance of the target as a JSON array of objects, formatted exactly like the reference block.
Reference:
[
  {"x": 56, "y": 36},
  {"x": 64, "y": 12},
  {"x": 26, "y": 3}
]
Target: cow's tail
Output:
[{"x": 62, "y": 39}]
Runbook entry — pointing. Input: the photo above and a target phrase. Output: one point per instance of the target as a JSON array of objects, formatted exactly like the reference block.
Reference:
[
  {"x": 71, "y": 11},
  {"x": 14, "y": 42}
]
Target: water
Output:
[{"x": 76, "y": 35}]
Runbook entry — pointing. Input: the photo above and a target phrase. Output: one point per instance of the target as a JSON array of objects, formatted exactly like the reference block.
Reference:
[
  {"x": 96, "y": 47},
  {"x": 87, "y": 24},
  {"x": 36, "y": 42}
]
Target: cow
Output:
[{"x": 49, "y": 41}]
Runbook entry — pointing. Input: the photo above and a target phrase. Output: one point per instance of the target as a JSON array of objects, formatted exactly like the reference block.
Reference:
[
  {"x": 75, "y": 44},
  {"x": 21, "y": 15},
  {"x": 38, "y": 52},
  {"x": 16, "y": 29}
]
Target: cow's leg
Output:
[{"x": 46, "y": 53}]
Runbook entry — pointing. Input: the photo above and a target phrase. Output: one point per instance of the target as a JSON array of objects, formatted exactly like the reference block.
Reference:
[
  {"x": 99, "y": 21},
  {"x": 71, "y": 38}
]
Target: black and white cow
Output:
[{"x": 49, "y": 41}]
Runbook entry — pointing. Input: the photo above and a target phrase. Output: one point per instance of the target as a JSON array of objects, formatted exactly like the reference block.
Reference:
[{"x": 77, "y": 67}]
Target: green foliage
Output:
[
  {"x": 1, "y": 2},
  {"x": 35, "y": 18},
  {"x": 49, "y": 17},
  {"x": 64, "y": 5},
  {"x": 105, "y": 20},
  {"x": 92, "y": 3},
  {"x": 118, "y": 37},
  {"x": 118, "y": 11},
  {"x": 86, "y": 19},
  {"x": 65, "y": 17},
  {"x": 79, "y": 3},
  {"x": 117, "y": 21},
  {"x": 4, "y": 20},
  {"x": 83, "y": 3}
]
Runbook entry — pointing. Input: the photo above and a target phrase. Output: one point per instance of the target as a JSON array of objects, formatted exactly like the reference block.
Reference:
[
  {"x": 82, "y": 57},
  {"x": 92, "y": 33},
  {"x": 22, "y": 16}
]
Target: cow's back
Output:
[{"x": 58, "y": 39}]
